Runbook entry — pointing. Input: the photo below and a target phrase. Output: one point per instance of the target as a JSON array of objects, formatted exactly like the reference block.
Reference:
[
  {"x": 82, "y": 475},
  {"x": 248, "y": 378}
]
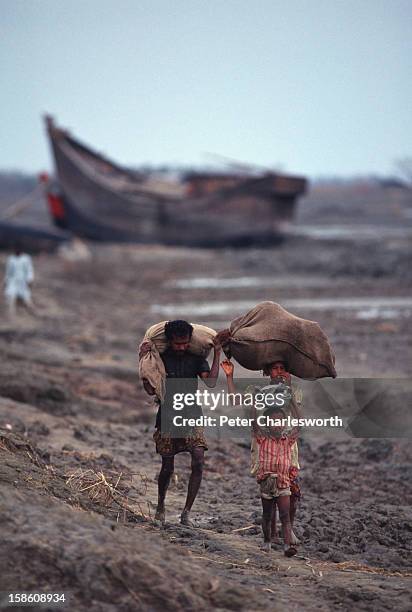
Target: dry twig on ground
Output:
[{"x": 110, "y": 490}]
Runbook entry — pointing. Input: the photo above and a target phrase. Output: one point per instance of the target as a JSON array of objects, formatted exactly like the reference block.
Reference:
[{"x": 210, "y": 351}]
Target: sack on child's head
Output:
[{"x": 269, "y": 333}]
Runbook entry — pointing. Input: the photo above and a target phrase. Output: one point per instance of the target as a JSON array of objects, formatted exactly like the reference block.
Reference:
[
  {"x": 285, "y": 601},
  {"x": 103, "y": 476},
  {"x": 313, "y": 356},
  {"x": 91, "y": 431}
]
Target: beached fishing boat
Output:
[{"x": 97, "y": 199}]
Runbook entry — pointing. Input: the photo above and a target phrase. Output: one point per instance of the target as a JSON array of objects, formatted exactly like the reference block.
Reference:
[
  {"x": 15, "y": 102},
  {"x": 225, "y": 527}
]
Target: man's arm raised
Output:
[{"x": 210, "y": 378}]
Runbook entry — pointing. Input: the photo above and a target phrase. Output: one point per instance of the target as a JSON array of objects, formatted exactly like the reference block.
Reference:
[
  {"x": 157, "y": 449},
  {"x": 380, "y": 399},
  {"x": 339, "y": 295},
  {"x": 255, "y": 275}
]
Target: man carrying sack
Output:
[{"x": 168, "y": 363}]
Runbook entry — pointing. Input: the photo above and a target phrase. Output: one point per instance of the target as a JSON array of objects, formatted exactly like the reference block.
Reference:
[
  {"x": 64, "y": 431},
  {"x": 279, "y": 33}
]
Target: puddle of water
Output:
[
  {"x": 363, "y": 304},
  {"x": 248, "y": 281},
  {"x": 379, "y": 313},
  {"x": 357, "y": 232}
]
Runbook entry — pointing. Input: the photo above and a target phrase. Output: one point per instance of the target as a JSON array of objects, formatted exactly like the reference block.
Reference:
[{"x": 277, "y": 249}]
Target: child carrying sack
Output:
[
  {"x": 151, "y": 366},
  {"x": 269, "y": 333},
  {"x": 290, "y": 397}
]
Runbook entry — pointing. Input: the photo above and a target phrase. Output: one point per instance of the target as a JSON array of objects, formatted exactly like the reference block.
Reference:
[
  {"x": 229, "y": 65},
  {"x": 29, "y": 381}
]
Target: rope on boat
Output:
[{"x": 21, "y": 204}]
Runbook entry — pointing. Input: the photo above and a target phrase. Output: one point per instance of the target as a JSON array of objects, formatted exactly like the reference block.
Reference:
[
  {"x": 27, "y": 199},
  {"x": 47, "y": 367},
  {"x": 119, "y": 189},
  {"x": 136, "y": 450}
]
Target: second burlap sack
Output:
[
  {"x": 269, "y": 333},
  {"x": 151, "y": 366}
]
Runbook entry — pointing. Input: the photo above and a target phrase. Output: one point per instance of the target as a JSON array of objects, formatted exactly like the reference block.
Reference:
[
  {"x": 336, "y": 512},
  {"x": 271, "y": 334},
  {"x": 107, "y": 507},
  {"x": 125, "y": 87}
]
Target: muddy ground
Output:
[{"x": 77, "y": 462}]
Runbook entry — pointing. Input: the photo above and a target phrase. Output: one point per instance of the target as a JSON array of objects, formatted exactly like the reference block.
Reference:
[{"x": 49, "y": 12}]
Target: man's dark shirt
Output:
[{"x": 178, "y": 366}]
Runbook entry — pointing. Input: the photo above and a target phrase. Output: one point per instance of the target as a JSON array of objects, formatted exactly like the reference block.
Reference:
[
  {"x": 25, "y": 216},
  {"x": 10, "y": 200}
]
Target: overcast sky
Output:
[{"x": 319, "y": 87}]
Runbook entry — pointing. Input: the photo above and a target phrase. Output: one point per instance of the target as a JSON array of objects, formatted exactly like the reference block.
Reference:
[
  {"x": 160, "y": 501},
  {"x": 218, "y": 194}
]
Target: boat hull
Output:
[
  {"x": 103, "y": 202},
  {"x": 29, "y": 239}
]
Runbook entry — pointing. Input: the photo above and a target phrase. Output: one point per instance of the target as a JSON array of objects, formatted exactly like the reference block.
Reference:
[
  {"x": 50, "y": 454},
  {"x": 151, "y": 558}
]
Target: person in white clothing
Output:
[{"x": 18, "y": 280}]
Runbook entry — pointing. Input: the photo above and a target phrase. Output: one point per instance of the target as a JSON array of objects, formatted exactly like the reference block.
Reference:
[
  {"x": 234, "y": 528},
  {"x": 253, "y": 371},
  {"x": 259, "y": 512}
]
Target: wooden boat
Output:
[{"x": 99, "y": 200}]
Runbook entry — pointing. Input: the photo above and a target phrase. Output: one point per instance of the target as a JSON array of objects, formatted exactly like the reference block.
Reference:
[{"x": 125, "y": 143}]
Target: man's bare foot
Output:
[
  {"x": 293, "y": 538},
  {"x": 290, "y": 552},
  {"x": 185, "y": 519},
  {"x": 265, "y": 546},
  {"x": 160, "y": 515}
]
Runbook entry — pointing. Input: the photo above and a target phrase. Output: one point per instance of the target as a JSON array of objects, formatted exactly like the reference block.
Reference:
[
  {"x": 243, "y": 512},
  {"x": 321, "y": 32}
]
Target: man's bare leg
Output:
[
  {"x": 267, "y": 512},
  {"x": 198, "y": 457},
  {"x": 11, "y": 303},
  {"x": 29, "y": 306},
  {"x": 166, "y": 472}
]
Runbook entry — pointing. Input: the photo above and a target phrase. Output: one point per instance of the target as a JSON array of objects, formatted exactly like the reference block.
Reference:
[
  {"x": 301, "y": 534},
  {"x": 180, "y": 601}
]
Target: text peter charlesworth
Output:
[
  {"x": 213, "y": 400},
  {"x": 262, "y": 421}
]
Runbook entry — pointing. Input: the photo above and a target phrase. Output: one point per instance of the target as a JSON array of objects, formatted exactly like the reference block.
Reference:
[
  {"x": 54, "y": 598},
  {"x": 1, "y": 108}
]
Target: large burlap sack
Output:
[
  {"x": 151, "y": 365},
  {"x": 269, "y": 333}
]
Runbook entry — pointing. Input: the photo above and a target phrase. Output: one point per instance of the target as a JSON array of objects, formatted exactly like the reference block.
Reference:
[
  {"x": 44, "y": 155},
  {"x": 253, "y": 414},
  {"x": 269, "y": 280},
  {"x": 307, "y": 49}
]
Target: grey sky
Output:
[{"x": 311, "y": 86}]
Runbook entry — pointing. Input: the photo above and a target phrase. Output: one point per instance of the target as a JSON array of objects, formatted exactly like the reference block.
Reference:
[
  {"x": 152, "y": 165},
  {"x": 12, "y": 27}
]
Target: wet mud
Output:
[{"x": 78, "y": 466}]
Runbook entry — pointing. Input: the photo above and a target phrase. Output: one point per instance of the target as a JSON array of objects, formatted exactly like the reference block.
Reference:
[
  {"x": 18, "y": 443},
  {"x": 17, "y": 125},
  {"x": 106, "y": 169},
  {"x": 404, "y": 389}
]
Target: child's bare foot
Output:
[
  {"x": 160, "y": 515},
  {"x": 290, "y": 551},
  {"x": 265, "y": 546}
]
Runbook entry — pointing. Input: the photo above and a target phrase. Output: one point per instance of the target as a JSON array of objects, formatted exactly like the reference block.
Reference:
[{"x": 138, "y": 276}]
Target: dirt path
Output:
[{"x": 71, "y": 408}]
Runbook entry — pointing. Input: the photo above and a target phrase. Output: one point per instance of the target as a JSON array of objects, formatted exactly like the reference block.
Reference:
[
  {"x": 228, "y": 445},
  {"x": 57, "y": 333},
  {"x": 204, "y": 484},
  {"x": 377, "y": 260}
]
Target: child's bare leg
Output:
[
  {"x": 274, "y": 534},
  {"x": 294, "y": 500},
  {"x": 293, "y": 508},
  {"x": 267, "y": 509},
  {"x": 283, "y": 502}
]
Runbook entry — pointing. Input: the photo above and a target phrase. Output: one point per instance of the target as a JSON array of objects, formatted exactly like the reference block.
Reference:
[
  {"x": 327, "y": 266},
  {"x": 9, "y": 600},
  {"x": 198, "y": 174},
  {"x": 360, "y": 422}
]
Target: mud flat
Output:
[{"x": 77, "y": 462}]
